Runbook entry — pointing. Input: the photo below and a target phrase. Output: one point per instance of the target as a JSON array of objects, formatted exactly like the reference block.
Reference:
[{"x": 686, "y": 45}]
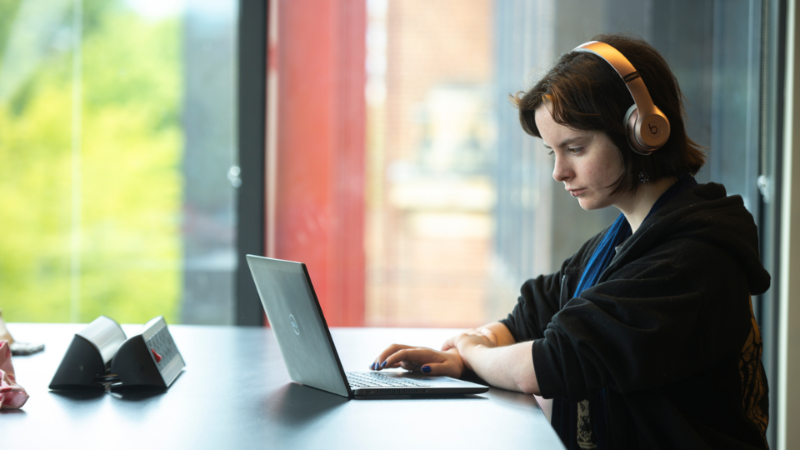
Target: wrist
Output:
[
  {"x": 467, "y": 351},
  {"x": 453, "y": 351}
]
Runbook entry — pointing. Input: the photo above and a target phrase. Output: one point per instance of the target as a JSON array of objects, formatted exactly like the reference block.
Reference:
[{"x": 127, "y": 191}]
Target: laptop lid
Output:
[{"x": 298, "y": 323}]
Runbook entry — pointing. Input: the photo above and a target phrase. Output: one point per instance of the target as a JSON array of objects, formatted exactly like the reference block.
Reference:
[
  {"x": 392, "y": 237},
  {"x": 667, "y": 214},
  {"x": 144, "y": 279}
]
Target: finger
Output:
[
  {"x": 451, "y": 342},
  {"x": 412, "y": 367},
  {"x": 378, "y": 363},
  {"x": 490, "y": 335},
  {"x": 447, "y": 369},
  {"x": 415, "y": 356},
  {"x": 386, "y": 365},
  {"x": 448, "y": 344}
]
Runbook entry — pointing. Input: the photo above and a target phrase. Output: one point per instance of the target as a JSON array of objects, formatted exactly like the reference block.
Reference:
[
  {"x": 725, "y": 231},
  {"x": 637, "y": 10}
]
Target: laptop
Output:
[{"x": 307, "y": 348}]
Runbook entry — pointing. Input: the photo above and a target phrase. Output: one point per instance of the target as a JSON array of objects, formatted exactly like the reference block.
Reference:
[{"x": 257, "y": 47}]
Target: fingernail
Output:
[
  {"x": 373, "y": 366},
  {"x": 383, "y": 364},
  {"x": 426, "y": 369}
]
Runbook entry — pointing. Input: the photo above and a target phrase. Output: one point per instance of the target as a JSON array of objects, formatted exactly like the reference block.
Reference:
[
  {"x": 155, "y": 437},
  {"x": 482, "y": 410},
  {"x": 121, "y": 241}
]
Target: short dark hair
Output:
[{"x": 584, "y": 92}]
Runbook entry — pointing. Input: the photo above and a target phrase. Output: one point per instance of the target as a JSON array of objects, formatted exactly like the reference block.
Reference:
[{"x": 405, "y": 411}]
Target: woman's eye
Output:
[
  {"x": 575, "y": 150},
  {"x": 551, "y": 153}
]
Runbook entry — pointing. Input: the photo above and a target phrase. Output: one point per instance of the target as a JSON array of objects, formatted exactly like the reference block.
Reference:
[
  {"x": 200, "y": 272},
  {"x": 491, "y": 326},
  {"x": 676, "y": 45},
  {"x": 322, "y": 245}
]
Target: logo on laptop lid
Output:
[{"x": 294, "y": 325}]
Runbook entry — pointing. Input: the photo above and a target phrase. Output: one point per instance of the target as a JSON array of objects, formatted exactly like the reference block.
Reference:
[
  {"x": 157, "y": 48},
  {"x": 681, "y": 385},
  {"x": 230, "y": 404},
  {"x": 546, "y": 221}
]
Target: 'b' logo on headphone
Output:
[{"x": 653, "y": 128}]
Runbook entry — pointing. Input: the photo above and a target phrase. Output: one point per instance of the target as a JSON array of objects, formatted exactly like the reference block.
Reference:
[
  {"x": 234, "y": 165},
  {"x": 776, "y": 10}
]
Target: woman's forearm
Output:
[{"x": 508, "y": 367}]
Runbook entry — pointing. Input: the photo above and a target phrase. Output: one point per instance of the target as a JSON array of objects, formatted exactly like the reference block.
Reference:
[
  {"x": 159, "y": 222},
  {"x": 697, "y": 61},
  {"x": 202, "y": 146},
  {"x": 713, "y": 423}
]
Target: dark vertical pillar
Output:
[{"x": 251, "y": 120}]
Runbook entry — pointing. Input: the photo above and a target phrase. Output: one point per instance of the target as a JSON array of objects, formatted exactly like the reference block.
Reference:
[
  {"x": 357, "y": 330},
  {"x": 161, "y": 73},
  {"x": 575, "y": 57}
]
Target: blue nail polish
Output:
[
  {"x": 426, "y": 369},
  {"x": 373, "y": 366},
  {"x": 383, "y": 365}
]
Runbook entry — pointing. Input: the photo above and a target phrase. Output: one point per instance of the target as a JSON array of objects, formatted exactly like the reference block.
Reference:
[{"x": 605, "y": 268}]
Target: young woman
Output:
[{"x": 645, "y": 338}]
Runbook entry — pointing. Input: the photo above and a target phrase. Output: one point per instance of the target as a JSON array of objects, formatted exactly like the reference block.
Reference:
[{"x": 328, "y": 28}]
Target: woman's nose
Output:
[{"x": 561, "y": 172}]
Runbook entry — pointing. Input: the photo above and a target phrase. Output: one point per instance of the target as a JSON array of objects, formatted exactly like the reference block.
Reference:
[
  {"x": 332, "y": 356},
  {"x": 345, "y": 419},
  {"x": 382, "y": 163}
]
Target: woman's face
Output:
[{"x": 587, "y": 162}]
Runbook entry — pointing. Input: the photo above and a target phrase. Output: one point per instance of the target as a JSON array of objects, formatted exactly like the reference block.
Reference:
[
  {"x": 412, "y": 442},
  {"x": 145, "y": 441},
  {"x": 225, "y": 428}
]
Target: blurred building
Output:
[{"x": 430, "y": 158}]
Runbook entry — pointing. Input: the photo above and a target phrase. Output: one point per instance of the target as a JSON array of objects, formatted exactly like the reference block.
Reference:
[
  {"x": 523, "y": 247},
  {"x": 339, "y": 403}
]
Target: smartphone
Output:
[{"x": 25, "y": 348}]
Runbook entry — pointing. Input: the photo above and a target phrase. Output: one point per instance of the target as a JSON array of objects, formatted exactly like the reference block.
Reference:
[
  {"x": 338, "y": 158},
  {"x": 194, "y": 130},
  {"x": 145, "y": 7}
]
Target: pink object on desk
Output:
[{"x": 12, "y": 395}]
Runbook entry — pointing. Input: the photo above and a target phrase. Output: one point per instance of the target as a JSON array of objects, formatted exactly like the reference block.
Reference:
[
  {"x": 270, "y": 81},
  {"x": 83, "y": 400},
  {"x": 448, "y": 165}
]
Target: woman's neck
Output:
[{"x": 637, "y": 206}]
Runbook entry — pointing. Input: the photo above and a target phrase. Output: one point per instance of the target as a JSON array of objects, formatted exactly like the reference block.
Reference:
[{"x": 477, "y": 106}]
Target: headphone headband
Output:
[{"x": 647, "y": 126}]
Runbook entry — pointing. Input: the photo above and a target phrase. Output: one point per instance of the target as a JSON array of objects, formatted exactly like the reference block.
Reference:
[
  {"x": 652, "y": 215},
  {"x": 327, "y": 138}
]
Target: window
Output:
[{"x": 118, "y": 160}]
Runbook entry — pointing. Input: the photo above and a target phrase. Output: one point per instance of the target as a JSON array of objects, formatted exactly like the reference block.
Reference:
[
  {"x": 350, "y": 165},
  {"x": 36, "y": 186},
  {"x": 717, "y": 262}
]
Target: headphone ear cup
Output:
[{"x": 630, "y": 128}]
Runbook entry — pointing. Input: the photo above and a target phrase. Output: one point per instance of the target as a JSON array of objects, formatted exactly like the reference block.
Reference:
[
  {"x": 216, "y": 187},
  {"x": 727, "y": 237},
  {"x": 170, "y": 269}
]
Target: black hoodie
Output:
[{"x": 664, "y": 347}]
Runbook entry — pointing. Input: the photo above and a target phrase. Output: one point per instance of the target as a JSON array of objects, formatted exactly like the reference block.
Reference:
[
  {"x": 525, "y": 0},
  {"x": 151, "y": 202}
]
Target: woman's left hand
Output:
[{"x": 482, "y": 336}]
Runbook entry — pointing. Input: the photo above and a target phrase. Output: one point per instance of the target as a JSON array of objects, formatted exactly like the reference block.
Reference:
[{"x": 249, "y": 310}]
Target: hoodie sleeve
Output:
[
  {"x": 540, "y": 298},
  {"x": 537, "y": 303},
  {"x": 652, "y": 323}
]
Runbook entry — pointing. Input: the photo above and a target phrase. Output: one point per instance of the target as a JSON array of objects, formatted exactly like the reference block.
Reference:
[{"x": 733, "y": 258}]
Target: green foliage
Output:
[
  {"x": 129, "y": 191},
  {"x": 8, "y": 9}
]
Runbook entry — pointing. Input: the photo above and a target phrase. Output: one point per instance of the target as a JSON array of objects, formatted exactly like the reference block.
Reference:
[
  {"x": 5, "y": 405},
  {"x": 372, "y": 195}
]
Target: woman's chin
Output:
[
  {"x": 590, "y": 204},
  {"x": 587, "y": 205}
]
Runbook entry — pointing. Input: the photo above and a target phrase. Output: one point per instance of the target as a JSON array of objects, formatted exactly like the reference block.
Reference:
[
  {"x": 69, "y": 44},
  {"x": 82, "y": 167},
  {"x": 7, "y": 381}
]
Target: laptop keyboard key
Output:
[{"x": 378, "y": 380}]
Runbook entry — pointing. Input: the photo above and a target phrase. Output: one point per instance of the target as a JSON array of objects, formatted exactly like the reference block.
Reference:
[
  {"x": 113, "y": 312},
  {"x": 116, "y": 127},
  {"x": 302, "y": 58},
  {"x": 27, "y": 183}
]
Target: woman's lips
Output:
[{"x": 576, "y": 192}]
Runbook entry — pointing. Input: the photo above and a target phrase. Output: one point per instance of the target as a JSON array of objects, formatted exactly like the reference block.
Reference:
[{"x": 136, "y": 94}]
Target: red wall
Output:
[{"x": 319, "y": 60}]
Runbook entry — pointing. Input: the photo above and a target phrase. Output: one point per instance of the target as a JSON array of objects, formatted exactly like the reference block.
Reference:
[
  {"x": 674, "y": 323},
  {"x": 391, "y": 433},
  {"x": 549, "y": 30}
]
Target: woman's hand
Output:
[
  {"x": 482, "y": 336},
  {"x": 426, "y": 360}
]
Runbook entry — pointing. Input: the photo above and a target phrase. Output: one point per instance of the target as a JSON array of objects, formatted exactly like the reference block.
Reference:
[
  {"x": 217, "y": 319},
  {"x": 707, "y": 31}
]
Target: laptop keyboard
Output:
[{"x": 371, "y": 379}]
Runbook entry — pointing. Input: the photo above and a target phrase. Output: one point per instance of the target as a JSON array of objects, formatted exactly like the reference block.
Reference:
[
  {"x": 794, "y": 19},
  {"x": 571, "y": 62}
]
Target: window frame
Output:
[{"x": 251, "y": 132}]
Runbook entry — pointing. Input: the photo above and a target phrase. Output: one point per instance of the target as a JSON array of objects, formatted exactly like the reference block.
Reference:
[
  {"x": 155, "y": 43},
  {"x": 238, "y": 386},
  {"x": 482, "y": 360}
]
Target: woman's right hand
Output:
[{"x": 426, "y": 360}]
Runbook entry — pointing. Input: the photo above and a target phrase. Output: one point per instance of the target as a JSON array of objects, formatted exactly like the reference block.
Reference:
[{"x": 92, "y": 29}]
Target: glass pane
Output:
[
  {"x": 462, "y": 207},
  {"x": 115, "y": 150},
  {"x": 431, "y": 192}
]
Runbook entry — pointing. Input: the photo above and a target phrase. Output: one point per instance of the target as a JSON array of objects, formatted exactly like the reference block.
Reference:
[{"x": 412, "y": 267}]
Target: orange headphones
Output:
[{"x": 647, "y": 126}]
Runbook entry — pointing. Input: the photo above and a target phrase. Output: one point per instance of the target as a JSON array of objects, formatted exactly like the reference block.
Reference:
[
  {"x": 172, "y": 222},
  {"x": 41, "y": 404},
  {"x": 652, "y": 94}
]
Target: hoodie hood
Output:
[{"x": 704, "y": 213}]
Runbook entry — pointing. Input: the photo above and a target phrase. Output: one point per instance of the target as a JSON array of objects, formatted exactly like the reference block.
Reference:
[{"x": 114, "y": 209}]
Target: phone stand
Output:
[
  {"x": 149, "y": 360},
  {"x": 100, "y": 354},
  {"x": 89, "y": 355}
]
